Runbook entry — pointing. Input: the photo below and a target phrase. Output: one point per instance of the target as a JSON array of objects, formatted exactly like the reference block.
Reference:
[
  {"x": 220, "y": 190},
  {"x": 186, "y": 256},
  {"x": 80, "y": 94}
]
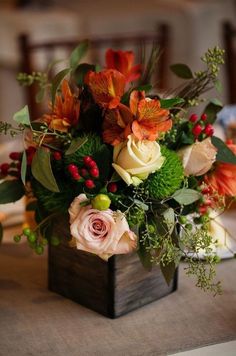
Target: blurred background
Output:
[{"x": 186, "y": 29}]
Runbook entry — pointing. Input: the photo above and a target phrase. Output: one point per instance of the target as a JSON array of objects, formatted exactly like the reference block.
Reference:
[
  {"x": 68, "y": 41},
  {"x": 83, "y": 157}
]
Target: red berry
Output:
[
  {"x": 72, "y": 168},
  {"x": 76, "y": 176},
  {"x": 193, "y": 118},
  {"x": 15, "y": 156},
  {"x": 202, "y": 209},
  {"x": 94, "y": 172},
  {"x": 4, "y": 168},
  {"x": 30, "y": 158},
  {"x": 31, "y": 150},
  {"x": 112, "y": 187},
  {"x": 87, "y": 160},
  {"x": 204, "y": 117},
  {"x": 92, "y": 164},
  {"x": 57, "y": 156},
  {"x": 209, "y": 130},
  {"x": 197, "y": 129},
  {"x": 206, "y": 190},
  {"x": 89, "y": 184},
  {"x": 84, "y": 172}
]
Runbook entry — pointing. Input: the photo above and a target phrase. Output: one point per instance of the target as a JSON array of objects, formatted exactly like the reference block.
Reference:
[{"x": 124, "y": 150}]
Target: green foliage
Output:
[
  {"x": 182, "y": 70},
  {"x": 42, "y": 170},
  {"x": 11, "y": 191},
  {"x": 168, "y": 178},
  {"x": 23, "y": 167},
  {"x": 78, "y": 53},
  {"x": 224, "y": 154},
  {"x": 81, "y": 71},
  {"x": 76, "y": 143},
  {"x": 135, "y": 216},
  {"x": 211, "y": 110},
  {"x": 186, "y": 196},
  {"x": 170, "y": 103},
  {"x": 56, "y": 82},
  {"x": 22, "y": 116}
]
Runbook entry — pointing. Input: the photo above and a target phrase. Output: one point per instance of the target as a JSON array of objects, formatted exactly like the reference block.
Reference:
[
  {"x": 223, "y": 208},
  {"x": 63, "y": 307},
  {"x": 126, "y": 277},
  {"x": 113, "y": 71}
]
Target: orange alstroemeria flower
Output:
[
  {"x": 144, "y": 118},
  {"x": 65, "y": 111},
  {"x": 223, "y": 178},
  {"x": 107, "y": 87},
  {"x": 123, "y": 61},
  {"x": 151, "y": 119}
]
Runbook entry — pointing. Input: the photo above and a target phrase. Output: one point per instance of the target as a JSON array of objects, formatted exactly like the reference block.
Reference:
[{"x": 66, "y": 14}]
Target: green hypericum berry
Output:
[
  {"x": 32, "y": 237},
  {"x": 151, "y": 229},
  {"x": 26, "y": 231},
  {"x": 39, "y": 249},
  {"x": 101, "y": 202},
  {"x": 54, "y": 241},
  {"x": 44, "y": 242},
  {"x": 204, "y": 219},
  {"x": 189, "y": 226},
  {"x": 182, "y": 219},
  {"x": 17, "y": 238}
]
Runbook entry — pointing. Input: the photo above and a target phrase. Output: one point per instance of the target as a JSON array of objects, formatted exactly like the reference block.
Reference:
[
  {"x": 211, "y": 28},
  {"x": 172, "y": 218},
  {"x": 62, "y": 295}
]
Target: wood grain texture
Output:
[{"x": 111, "y": 288}]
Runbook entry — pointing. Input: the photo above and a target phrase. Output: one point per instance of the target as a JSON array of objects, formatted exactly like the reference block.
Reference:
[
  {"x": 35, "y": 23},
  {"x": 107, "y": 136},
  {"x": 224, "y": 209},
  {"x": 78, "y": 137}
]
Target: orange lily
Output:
[
  {"x": 123, "y": 61},
  {"x": 65, "y": 112},
  {"x": 222, "y": 179},
  {"x": 106, "y": 87}
]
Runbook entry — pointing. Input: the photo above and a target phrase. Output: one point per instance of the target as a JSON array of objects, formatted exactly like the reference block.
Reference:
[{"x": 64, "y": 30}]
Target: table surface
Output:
[{"x": 35, "y": 321}]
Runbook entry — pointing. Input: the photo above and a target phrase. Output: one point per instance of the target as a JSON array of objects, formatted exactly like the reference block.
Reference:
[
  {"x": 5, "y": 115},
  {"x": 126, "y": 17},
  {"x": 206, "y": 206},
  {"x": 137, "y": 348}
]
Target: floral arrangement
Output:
[{"x": 131, "y": 169}]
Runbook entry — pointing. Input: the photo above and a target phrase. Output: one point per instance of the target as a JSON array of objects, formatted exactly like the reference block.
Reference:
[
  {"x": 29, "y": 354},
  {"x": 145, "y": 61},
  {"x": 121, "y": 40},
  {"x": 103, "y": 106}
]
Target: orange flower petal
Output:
[{"x": 134, "y": 100}]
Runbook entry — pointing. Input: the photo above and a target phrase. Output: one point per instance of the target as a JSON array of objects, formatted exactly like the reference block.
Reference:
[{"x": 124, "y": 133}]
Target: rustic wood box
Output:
[{"x": 110, "y": 288}]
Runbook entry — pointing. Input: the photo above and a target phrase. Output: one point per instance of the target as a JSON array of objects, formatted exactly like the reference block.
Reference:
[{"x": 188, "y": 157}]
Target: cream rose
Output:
[
  {"x": 103, "y": 233},
  {"x": 134, "y": 160},
  {"x": 198, "y": 158}
]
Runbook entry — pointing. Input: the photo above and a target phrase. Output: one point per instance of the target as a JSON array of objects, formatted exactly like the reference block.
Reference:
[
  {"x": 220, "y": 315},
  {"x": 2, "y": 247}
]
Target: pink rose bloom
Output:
[{"x": 104, "y": 233}]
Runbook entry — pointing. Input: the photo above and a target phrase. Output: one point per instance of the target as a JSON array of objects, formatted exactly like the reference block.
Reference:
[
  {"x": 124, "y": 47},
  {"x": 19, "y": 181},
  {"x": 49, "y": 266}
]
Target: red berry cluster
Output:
[
  {"x": 87, "y": 173},
  {"x": 13, "y": 168},
  {"x": 200, "y": 126},
  {"x": 210, "y": 199}
]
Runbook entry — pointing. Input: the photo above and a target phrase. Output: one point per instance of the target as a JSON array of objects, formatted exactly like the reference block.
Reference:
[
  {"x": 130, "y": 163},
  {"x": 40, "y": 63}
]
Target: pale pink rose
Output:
[
  {"x": 198, "y": 158},
  {"x": 103, "y": 233}
]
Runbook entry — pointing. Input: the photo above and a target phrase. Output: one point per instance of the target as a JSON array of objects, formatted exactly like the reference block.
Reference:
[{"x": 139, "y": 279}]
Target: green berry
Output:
[
  {"x": 39, "y": 249},
  {"x": 151, "y": 229},
  {"x": 32, "y": 237},
  {"x": 26, "y": 231},
  {"x": 189, "y": 227},
  {"x": 17, "y": 238},
  {"x": 182, "y": 219},
  {"x": 54, "y": 241},
  {"x": 204, "y": 219},
  {"x": 101, "y": 202},
  {"x": 44, "y": 242}
]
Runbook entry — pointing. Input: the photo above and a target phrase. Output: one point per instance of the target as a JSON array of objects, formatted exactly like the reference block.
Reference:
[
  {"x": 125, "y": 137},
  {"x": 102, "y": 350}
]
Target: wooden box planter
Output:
[{"x": 110, "y": 288}]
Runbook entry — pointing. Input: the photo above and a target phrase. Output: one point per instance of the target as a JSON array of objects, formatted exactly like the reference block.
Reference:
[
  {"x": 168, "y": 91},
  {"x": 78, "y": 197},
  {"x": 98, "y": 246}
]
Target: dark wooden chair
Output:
[
  {"x": 31, "y": 51},
  {"x": 229, "y": 40}
]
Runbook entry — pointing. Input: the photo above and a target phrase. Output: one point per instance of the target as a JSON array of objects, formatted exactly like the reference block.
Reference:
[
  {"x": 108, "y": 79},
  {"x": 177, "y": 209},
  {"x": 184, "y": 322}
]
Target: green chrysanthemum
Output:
[{"x": 168, "y": 178}]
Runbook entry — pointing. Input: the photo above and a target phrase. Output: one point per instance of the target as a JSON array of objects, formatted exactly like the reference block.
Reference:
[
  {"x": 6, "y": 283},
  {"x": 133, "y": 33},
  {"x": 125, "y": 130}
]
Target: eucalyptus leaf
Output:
[
  {"x": 170, "y": 103},
  {"x": 186, "y": 196},
  {"x": 181, "y": 70},
  {"x": 141, "y": 204},
  {"x": 22, "y": 116},
  {"x": 11, "y": 191},
  {"x": 40, "y": 95},
  {"x": 78, "y": 53},
  {"x": 168, "y": 271},
  {"x": 81, "y": 71},
  {"x": 23, "y": 167},
  {"x": 76, "y": 144},
  {"x": 218, "y": 86},
  {"x": 57, "y": 81},
  {"x": 42, "y": 170},
  {"x": 212, "y": 109},
  {"x": 169, "y": 216},
  {"x": 224, "y": 154}
]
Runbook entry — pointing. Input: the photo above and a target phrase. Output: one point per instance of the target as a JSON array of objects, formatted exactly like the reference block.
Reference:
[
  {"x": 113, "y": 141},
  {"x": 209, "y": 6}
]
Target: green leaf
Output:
[
  {"x": 170, "y": 103},
  {"x": 81, "y": 71},
  {"x": 141, "y": 204},
  {"x": 145, "y": 256},
  {"x": 182, "y": 70},
  {"x": 168, "y": 271},
  {"x": 76, "y": 144},
  {"x": 40, "y": 95},
  {"x": 224, "y": 154},
  {"x": 218, "y": 86},
  {"x": 57, "y": 81},
  {"x": 11, "y": 191},
  {"x": 186, "y": 196},
  {"x": 169, "y": 216},
  {"x": 22, "y": 116},
  {"x": 145, "y": 87},
  {"x": 23, "y": 167},
  {"x": 42, "y": 170},
  {"x": 212, "y": 109},
  {"x": 115, "y": 178},
  {"x": 1, "y": 232},
  {"x": 78, "y": 53},
  {"x": 186, "y": 139}
]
